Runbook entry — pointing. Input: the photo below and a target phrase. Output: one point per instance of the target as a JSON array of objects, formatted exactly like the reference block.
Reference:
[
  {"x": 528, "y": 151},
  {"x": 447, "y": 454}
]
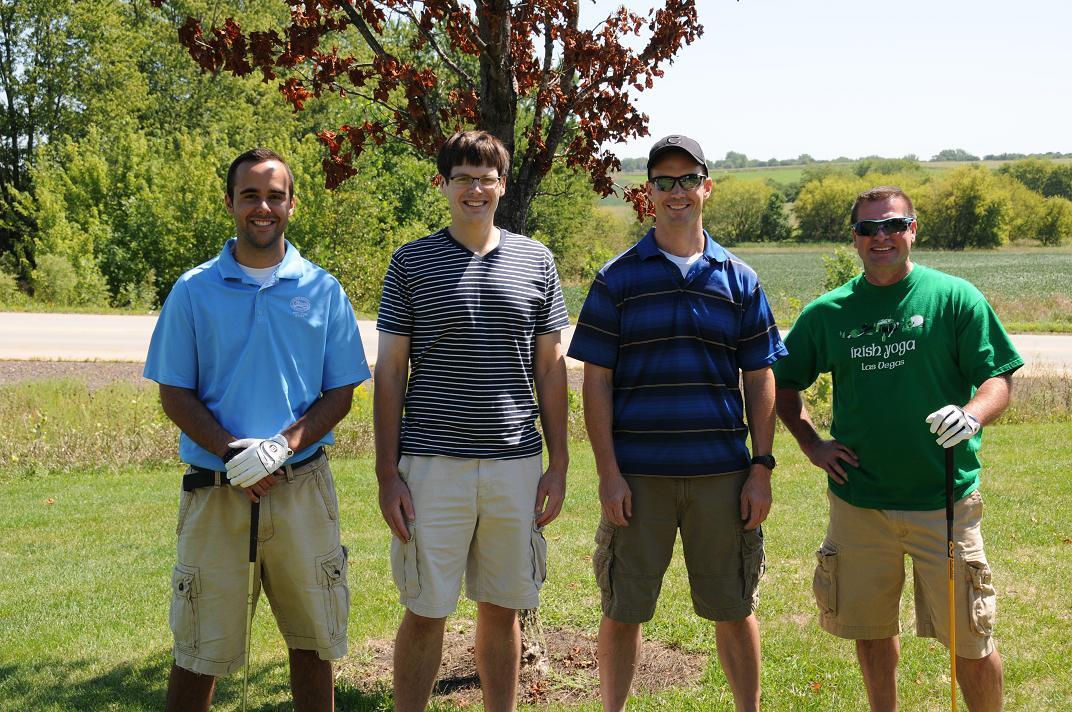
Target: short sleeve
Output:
[
  {"x": 344, "y": 356},
  {"x": 172, "y": 356},
  {"x": 984, "y": 349},
  {"x": 759, "y": 344},
  {"x": 552, "y": 315},
  {"x": 396, "y": 309},
  {"x": 802, "y": 365},
  {"x": 597, "y": 336}
]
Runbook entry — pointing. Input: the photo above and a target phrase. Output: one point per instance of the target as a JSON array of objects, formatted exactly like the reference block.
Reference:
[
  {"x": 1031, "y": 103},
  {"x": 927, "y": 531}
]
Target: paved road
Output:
[{"x": 89, "y": 337}]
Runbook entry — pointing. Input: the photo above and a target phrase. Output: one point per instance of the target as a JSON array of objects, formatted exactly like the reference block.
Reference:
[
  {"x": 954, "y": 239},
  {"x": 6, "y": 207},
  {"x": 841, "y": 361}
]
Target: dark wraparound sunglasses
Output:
[
  {"x": 688, "y": 182},
  {"x": 891, "y": 226}
]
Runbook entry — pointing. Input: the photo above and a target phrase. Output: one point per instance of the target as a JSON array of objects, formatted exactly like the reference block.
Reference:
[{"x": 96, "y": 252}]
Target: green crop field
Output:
[
  {"x": 88, "y": 547},
  {"x": 1029, "y": 287}
]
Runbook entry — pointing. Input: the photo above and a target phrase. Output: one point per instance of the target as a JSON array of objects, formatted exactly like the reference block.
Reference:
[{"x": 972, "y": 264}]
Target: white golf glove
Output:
[
  {"x": 953, "y": 425},
  {"x": 258, "y": 459}
]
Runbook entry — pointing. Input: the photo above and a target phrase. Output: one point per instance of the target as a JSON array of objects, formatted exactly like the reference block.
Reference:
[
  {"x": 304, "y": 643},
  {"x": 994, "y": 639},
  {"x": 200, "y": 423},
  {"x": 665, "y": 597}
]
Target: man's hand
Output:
[
  {"x": 756, "y": 496},
  {"x": 827, "y": 456},
  {"x": 550, "y": 494},
  {"x": 953, "y": 425},
  {"x": 396, "y": 506},
  {"x": 258, "y": 459},
  {"x": 617, "y": 500}
]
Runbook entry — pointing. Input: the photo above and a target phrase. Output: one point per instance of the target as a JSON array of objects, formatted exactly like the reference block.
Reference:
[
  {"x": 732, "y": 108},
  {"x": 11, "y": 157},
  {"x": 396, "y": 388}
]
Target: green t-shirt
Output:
[{"x": 897, "y": 354}]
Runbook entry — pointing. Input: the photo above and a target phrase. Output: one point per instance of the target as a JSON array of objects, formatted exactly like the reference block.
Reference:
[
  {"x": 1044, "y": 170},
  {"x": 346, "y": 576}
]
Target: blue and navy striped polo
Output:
[{"x": 677, "y": 347}]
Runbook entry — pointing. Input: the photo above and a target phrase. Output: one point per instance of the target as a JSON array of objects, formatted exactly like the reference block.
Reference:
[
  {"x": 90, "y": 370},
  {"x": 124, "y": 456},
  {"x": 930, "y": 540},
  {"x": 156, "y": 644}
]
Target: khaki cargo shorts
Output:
[
  {"x": 476, "y": 517},
  {"x": 724, "y": 561},
  {"x": 860, "y": 574},
  {"x": 301, "y": 565}
]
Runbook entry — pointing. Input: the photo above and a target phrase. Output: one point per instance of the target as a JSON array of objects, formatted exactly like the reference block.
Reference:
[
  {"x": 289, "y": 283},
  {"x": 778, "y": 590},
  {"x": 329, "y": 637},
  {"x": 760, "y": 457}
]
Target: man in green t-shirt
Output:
[{"x": 914, "y": 354}]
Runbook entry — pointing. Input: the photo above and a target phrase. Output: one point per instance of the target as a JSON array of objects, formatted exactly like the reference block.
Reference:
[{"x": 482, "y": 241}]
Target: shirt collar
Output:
[
  {"x": 292, "y": 266},
  {"x": 647, "y": 248}
]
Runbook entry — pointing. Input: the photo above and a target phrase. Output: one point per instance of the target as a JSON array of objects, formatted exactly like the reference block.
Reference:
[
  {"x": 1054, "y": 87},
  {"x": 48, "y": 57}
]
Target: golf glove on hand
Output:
[
  {"x": 953, "y": 425},
  {"x": 258, "y": 459}
]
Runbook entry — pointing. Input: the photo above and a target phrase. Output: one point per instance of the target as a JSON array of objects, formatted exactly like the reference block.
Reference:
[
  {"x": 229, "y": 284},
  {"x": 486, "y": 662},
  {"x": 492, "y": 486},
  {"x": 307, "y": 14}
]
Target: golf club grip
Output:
[
  {"x": 949, "y": 471},
  {"x": 254, "y": 525}
]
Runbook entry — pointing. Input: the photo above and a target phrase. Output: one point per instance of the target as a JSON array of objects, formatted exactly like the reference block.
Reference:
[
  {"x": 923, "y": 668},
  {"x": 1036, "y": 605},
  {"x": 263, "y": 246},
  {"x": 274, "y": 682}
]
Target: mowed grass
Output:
[
  {"x": 86, "y": 555},
  {"x": 1028, "y": 287}
]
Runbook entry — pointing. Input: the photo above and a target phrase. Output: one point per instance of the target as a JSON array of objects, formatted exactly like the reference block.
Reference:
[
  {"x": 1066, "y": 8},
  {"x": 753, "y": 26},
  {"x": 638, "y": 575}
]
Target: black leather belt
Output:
[{"x": 198, "y": 477}]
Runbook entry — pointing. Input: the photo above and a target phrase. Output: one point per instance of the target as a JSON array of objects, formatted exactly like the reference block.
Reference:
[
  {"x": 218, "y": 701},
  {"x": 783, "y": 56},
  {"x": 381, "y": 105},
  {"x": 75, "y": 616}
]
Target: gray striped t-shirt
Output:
[{"x": 472, "y": 321}]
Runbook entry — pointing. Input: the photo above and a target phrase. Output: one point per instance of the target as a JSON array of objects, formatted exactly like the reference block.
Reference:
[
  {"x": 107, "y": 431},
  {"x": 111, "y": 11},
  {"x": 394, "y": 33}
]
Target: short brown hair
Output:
[
  {"x": 881, "y": 192},
  {"x": 472, "y": 148},
  {"x": 257, "y": 155}
]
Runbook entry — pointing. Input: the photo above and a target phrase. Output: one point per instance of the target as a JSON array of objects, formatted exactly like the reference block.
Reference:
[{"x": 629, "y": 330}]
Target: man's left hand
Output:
[
  {"x": 756, "y": 496},
  {"x": 258, "y": 459},
  {"x": 550, "y": 494},
  {"x": 953, "y": 425}
]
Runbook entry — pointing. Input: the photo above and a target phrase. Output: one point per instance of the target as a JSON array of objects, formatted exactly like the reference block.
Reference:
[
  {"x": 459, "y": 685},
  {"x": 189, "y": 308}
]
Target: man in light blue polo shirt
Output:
[{"x": 257, "y": 354}]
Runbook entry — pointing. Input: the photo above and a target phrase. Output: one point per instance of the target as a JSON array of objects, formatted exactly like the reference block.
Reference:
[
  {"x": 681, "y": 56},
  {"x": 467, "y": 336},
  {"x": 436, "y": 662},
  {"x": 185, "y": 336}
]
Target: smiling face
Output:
[
  {"x": 471, "y": 202},
  {"x": 885, "y": 257},
  {"x": 261, "y": 205},
  {"x": 678, "y": 208}
]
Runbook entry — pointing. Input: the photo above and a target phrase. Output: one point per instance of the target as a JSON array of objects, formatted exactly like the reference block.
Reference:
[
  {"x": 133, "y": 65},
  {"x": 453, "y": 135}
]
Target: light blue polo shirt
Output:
[{"x": 257, "y": 357}]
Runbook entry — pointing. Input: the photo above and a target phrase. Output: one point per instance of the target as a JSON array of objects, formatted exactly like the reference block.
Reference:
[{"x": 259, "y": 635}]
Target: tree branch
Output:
[{"x": 431, "y": 40}]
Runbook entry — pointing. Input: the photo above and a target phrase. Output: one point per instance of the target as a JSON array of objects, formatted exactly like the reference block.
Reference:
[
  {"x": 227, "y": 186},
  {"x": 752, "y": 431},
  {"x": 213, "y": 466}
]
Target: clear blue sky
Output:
[{"x": 777, "y": 78}]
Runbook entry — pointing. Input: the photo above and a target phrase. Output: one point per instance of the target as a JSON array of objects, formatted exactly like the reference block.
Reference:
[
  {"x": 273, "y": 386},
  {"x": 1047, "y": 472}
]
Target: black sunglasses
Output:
[
  {"x": 687, "y": 182},
  {"x": 892, "y": 226}
]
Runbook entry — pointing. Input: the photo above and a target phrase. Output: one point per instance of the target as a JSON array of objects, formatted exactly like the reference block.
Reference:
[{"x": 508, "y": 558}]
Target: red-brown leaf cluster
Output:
[{"x": 574, "y": 86}]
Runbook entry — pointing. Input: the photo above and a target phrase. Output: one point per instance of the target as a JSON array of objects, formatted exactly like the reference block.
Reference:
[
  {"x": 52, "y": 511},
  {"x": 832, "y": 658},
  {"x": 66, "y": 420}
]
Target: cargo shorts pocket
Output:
[
  {"x": 327, "y": 491},
  {"x": 331, "y": 577},
  {"x": 982, "y": 598},
  {"x": 539, "y": 556},
  {"x": 185, "y": 500},
  {"x": 404, "y": 565},
  {"x": 603, "y": 556},
  {"x": 753, "y": 561},
  {"x": 824, "y": 582},
  {"x": 183, "y": 618}
]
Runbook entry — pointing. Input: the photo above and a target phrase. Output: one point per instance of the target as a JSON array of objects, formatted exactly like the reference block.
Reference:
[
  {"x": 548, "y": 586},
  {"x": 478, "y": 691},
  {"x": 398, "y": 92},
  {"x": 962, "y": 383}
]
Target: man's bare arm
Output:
[{"x": 549, "y": 373}]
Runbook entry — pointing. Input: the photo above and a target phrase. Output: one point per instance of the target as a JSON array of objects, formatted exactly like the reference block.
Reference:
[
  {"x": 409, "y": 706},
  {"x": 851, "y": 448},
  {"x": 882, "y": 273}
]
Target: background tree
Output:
[
  {"x": 524, "y": 71},
  {"x": 736, "y": 209},
  {"x": 966, "y": 207},
  {"x": 954, "y": 154},
  {"x": 823, "y": 205}
]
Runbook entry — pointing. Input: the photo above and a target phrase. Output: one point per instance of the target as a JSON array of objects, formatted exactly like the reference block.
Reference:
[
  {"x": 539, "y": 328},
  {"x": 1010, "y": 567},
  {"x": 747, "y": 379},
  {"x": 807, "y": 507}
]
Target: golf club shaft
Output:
[
  {"x": 254, "y": 525},
  {"x": 951, "y": 548}
]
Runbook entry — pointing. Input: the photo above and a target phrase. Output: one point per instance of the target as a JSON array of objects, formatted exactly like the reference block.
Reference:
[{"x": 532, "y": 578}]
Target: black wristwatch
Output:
[{"x": 767, "y": 461}]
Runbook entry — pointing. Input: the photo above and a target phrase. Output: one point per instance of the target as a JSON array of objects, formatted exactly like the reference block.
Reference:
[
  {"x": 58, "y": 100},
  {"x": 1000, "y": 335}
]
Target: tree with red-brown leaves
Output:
[{"x": 522, "y": 70}]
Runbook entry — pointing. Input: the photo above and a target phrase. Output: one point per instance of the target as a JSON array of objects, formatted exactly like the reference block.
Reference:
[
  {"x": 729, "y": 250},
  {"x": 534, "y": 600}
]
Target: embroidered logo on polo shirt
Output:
[{"x": 300, "y": 306}]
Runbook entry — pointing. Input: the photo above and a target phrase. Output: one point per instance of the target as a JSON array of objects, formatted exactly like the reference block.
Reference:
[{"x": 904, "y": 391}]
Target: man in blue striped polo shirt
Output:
[
  {"x": 668, "y": 332},
  {"x": 469, "y": 328}
]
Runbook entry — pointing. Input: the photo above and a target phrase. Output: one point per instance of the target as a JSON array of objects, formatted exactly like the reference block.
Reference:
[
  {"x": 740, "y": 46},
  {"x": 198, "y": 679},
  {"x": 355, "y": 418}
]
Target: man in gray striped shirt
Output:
[{"x": 469, "y": 323}]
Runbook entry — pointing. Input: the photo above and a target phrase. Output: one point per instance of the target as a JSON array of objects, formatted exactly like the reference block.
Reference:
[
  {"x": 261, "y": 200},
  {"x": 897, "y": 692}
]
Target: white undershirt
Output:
[
  {"x": 683, "y": 263},
  {"x": 260, "y": 275}
]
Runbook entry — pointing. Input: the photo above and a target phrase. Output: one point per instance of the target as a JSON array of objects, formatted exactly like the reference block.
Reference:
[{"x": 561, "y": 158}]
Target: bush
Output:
[
  {"x": 9, "y": 288},
  {"x": 823, "y": 207},
  {"x": 734, "y": 212},
  {"x": 839, "y": 267},
  {"x": 55, "y": 280},
  {"x": 968, "y": 207}
]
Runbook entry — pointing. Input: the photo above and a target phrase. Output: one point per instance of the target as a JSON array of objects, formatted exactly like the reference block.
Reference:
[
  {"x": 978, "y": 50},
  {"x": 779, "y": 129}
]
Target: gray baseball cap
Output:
[{"x": 676, "y": 142}]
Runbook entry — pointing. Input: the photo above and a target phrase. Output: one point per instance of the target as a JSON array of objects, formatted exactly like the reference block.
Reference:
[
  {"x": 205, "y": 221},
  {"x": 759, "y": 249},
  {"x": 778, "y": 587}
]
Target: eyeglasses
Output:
[
  {"x": 891, "y": 226},
  {"x": 463, "y": 181},
  {"x": 687, "y": 182}
]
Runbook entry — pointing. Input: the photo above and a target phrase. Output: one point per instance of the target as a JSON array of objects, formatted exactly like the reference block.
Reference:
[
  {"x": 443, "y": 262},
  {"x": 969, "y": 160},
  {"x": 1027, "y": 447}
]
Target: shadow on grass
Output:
[{"x": 142, "y": 685}]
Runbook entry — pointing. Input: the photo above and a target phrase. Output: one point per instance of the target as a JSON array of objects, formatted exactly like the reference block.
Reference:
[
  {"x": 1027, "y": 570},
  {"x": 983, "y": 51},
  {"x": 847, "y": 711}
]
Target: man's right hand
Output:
[
  {"x": 827, "y": 456},
  {"x": 396, "y": 506},
  {"x": 617, "y": 500}
]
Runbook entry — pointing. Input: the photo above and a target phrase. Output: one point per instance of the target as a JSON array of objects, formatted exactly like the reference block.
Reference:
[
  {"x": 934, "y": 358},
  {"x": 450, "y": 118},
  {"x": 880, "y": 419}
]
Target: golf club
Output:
[
  {"x": 254, "y": 524},
  {"x": 952, "y": 600}
]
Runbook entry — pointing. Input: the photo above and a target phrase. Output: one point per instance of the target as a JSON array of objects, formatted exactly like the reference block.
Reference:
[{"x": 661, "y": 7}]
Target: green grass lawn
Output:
[
  {"x": 86, "y": 554},
  {"x": 1028, "y": 287}
]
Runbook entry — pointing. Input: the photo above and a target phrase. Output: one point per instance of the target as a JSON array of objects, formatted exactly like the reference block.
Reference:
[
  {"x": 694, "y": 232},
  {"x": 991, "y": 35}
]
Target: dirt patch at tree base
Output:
[{"x": 573, "y": 677}]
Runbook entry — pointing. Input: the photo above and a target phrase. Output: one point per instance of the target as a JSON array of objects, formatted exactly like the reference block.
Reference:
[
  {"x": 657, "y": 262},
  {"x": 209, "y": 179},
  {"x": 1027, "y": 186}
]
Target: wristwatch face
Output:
[{"x": 765, "y": 460}]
